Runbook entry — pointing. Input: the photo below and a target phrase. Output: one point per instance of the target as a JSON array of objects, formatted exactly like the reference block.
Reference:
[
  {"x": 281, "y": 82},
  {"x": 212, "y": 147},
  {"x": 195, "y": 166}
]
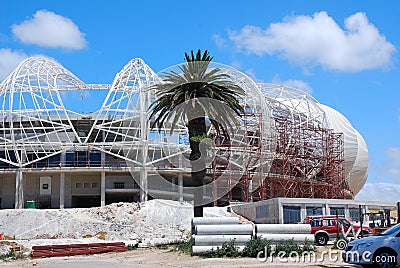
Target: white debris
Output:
[{"x": 151, "y": 222}]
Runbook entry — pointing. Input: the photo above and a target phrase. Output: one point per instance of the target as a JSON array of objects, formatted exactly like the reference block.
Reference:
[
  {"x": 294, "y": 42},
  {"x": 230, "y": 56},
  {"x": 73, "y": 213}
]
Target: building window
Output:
[
  {"x": 354, "y": 214},
  {"x": 262, "y": 211},
  {"x": 340, "y": 211},
  {"x": 119, "y": 185},
  {"x": 314, "y": 211},
  {"x": 78, "y": 185},
  {"x": 94, "y": 184},
  {"x": 291, "y": 214},
  {"x": 86, "y": 185}
]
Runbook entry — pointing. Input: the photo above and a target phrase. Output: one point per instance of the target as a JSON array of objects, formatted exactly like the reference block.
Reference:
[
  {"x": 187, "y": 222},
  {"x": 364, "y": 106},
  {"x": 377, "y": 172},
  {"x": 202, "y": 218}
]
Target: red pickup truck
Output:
[{"x": 325, "y": 227}]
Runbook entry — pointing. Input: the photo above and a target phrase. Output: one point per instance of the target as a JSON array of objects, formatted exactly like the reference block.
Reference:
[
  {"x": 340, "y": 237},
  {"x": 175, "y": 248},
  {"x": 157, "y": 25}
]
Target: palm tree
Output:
[{"x": 193, "y": 94}]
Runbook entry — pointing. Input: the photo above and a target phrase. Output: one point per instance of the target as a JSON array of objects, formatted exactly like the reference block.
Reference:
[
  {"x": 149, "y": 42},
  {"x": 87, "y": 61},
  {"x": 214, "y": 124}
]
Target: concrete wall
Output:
[
  {"x": 85, "y": 184},
  {"x": 7, "y": 191},
  {"x": 55, "y": 191},
  {"x": 86, "y": 181},
  {"x": 111, "y": 178},
  {"x": 32, "y": 188},
  {"x": 89, "y": 182},
  {"x": 67, "y": 191},
  {"x": 266, "y": 211}
]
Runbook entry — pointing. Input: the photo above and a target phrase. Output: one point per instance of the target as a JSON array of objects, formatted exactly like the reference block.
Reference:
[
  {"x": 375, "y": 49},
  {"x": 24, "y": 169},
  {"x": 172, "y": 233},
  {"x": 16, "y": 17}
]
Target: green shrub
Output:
[
  {"x": 12, "y": 255},
  {"x": 309, "y": 246},
  {"x": 185, "y": 246},
  {"x": 255, "y": 245},
  {"x": 228, "y": 249},
  {"x": 7, "y": 255},
  {"x": 287, "y": 246}
]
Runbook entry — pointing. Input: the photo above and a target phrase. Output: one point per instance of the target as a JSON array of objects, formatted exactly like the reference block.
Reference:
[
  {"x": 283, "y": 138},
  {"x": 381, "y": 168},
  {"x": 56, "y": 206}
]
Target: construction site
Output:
[
  {"x": 86, "y": 179},
  {"x": 52, "y": 156}
]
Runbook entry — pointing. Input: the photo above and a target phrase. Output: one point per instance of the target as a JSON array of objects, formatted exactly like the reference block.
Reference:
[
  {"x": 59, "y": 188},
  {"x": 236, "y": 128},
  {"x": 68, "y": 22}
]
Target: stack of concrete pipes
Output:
[
  {"x": 277, "y": 232},
  {"x": 212, "y": 232}
]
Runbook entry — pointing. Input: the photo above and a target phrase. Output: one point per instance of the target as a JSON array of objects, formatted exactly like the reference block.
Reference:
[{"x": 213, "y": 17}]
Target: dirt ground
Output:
[{"x": 163, "y": 258}]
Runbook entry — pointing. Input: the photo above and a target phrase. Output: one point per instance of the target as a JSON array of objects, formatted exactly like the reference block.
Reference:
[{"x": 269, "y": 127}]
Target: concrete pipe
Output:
[
  {"x": 283, "y": 228},
  {"x": 299, "y": 238},
  {"x": 239, "y": 229},
  {"x": 217, "y": 240},
  {"x": 215, "y": 220},
  {"x": 201, "y": 249}
]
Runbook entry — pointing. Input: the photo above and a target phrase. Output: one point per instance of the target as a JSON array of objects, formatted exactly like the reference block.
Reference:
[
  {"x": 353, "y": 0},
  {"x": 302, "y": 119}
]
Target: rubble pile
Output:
[{"x": 152, "y": 222}]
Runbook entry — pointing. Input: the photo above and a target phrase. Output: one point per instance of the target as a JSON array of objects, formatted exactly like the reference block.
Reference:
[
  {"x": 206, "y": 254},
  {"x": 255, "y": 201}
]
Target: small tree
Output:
[{"x": 183, "y": 96}]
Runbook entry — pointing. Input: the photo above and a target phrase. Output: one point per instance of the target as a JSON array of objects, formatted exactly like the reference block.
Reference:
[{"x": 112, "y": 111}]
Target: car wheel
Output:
[
  {"x": 321, "y": 239},
  {"x": 385, "y": 259}
]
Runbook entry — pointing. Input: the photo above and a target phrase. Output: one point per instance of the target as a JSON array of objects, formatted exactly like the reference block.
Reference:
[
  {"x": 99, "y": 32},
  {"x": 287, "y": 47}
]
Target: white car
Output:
[{"x": 381, "y": 250}]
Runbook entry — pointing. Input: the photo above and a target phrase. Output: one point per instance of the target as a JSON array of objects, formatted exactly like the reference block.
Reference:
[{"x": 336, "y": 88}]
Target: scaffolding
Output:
[
  {"x": 308, "y": 163},
  {"x": 238, "y": 162}
]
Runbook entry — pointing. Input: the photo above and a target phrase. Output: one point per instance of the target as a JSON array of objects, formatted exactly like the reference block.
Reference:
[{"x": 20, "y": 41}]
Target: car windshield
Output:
[{"x": 392, "y": 230}]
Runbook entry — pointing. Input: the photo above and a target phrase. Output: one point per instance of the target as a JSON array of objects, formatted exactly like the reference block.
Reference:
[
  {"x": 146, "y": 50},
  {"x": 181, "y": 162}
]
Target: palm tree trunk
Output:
[{"x": 196, "y": 128}]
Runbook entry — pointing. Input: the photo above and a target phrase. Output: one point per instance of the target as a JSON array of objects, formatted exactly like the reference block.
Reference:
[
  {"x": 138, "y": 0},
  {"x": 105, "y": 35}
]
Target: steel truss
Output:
[{"x": 35, "y": 125}]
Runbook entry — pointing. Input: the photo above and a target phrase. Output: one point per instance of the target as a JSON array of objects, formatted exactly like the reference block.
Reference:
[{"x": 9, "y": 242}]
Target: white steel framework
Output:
[{"x": 35, "y": 124}]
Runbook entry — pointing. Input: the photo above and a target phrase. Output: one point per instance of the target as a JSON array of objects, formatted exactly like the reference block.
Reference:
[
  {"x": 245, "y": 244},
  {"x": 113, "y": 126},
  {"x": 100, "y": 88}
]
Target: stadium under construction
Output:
[{"x": 286, "y": 145}]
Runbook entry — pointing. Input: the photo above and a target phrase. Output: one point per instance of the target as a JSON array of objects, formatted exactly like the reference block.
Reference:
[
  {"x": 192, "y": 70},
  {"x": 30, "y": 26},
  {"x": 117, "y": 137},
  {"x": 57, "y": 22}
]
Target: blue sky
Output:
[{"x": 344, "y": 52}]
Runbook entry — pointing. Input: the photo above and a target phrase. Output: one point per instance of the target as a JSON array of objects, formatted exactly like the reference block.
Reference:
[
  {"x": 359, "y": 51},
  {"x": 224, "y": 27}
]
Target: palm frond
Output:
[{"x": 186, "y": 92}]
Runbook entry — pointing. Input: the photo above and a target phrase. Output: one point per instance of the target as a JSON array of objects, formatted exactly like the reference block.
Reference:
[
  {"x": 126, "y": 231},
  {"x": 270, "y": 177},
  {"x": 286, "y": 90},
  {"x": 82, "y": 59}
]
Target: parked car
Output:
[
  {"x": 382, "y": 250},
  {"x": 326, "y": 227}
]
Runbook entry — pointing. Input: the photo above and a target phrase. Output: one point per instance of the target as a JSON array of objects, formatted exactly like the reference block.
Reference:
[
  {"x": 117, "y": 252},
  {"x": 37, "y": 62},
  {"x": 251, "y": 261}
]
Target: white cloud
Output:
[
  {"x": 47, "y": 29},
  {"x": 392, "y": 166},
  {"x": 319, "y": 40},
  {"x": 219, "y": 41},
  {"x": 9, "y": 60},
  {"x": 298, "y": 84},
  {"x": 379, "y": 192}
]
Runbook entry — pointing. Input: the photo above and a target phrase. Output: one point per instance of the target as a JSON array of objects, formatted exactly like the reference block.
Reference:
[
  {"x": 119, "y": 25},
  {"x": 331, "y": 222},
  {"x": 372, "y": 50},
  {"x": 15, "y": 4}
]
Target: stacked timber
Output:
[{"x": 76, "y": 249}]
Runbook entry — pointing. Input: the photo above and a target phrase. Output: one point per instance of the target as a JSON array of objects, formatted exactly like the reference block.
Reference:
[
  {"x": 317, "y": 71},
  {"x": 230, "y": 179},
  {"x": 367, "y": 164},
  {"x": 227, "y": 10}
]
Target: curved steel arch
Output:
[
  {"x": 293, "y": 104},
  {"x": 34, "y": 121}
]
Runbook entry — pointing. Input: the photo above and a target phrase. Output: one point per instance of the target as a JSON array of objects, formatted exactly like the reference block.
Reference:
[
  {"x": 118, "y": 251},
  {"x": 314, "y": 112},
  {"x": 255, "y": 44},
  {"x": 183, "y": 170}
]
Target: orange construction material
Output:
[{"x": 76, "y": 249}]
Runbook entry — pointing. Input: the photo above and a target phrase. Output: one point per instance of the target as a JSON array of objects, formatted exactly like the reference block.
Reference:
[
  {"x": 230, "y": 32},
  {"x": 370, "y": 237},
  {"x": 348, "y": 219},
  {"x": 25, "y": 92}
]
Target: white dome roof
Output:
[
  {"x": 355, "y": 149},
  {"x": 301, "y": 108}
]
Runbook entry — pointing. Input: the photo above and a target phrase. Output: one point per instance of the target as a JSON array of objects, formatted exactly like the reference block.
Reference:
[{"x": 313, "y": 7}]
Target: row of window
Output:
[
  {"x": 292, "y": 213},
  {"x": 93, "y": 185},
  {"x": 86, "y": 185},
  {"x": 72, "y": 159}
]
